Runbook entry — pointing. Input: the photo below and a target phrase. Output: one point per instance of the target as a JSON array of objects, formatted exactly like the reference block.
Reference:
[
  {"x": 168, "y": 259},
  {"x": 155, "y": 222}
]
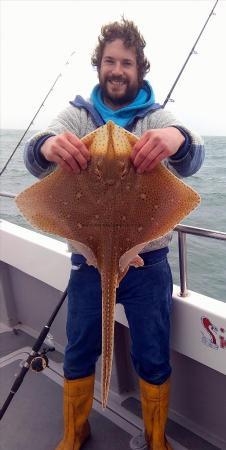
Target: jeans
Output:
[{"x": 146, "y": 294}]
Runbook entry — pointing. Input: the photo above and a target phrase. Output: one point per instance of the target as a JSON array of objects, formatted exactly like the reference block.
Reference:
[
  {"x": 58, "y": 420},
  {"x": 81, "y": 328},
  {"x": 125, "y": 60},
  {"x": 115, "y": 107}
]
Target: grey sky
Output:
[{"x": 37, "y": 38}]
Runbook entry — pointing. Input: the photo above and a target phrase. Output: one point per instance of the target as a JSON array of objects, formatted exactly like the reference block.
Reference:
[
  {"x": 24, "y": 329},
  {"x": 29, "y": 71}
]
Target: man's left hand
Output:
[{"x": 154, "y": 146}]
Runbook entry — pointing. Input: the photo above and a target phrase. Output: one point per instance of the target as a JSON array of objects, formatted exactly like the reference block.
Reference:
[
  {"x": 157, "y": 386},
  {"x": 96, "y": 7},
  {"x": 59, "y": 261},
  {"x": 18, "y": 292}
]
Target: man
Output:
[{"x": 123, "y": 96}]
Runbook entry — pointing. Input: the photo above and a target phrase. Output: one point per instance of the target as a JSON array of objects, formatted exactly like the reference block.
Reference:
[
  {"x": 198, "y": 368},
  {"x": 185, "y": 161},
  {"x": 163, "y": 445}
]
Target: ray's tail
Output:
[{"x": 109, "y": 282}]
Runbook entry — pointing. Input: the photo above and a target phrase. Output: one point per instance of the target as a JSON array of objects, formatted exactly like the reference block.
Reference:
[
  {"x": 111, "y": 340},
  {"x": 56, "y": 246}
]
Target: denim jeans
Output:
[{"x": 146, "y": 294}]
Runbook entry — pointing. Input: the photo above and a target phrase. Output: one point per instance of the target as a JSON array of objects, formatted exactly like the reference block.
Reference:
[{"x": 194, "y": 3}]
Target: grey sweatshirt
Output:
[{"x": 81, "y": 118}]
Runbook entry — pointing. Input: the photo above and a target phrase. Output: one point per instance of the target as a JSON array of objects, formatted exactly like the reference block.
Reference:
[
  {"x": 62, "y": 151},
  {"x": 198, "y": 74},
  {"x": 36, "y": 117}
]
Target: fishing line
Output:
[
  {"x": 167, "y": 99},
  {"x": 35, "y": 115},
  {"x": 192, "y": 51}
]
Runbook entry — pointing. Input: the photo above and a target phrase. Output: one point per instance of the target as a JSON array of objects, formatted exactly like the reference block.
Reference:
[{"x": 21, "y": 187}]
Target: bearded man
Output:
[{"x": 125, "y": 97}]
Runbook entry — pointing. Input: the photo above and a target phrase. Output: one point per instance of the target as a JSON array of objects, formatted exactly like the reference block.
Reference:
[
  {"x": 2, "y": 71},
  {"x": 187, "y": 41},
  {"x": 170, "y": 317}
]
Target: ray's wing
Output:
[
  {"x": 69, "y": 205},
  {"x": 149, "y": 205}
]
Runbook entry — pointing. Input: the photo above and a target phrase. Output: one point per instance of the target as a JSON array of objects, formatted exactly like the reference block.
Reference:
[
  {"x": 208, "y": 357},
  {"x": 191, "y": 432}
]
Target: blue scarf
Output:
[{"x": 125, "y": 115}]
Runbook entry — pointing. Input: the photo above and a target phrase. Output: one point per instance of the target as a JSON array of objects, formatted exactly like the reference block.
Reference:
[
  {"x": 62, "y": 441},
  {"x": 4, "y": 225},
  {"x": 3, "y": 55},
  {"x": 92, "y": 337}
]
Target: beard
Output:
[{"x": 116, "y": 97}]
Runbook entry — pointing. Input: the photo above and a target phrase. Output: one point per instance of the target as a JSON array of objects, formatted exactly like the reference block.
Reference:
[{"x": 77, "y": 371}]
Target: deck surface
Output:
[{"x": 34, "y": 419}]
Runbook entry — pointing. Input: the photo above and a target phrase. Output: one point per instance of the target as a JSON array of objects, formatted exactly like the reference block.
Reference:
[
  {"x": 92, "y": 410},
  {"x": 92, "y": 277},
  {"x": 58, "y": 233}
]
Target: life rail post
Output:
[{"x": 182, "y": 248}]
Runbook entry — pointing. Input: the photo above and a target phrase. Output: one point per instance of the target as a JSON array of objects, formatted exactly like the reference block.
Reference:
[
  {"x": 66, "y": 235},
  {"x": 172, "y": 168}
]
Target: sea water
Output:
[{"x": 206, "y": 257}]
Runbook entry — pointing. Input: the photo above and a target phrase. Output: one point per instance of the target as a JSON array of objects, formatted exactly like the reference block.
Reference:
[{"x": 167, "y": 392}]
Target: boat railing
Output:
[{"x": 182, "y": 231}]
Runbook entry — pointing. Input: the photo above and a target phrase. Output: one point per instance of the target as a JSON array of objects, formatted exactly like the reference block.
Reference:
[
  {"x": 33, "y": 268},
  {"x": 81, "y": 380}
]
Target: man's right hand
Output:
[{"x": 67, "y": 151}]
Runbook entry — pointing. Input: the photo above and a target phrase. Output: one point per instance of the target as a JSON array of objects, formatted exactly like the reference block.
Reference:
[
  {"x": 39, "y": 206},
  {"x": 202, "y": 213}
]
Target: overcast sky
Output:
[{"x": 37, "y": 38}]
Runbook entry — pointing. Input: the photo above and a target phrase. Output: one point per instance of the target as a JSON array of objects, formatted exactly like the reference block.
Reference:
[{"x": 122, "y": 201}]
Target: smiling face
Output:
[{"x": 118, "y": 74}]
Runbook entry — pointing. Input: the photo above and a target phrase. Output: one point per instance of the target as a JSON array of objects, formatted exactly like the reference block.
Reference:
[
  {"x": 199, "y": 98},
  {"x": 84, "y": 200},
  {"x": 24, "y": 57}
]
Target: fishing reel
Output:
[{"x": 40, "y": 360}]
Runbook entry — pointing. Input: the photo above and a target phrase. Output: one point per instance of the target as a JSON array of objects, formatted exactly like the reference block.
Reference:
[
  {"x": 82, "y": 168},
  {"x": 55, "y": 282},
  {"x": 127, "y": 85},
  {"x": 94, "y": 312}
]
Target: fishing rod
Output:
[
  {"x": 35, "y": 115},
  {"x": 38, "y": 361},
  {"x": 192, "y": 51}
]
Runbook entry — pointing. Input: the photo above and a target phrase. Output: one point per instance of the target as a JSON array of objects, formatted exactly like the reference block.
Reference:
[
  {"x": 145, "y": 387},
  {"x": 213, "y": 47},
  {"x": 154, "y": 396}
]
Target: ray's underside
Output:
[{"x": 109, "y": 213}]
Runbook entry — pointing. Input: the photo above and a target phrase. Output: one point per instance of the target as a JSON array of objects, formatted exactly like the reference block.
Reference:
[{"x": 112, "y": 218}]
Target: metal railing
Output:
[
  {"x": 182, "y": 231},
  {"x": 7, "y": 194}
]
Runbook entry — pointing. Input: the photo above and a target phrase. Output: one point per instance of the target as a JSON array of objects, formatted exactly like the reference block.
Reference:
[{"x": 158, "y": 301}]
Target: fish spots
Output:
[
  {"x": 97, "y": 172},
  {"x": 110, "y": 182},
  {"x": 143, "y": 196}
]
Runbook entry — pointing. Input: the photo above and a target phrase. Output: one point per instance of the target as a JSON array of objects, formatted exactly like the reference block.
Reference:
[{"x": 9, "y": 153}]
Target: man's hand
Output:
[
  {"x": 137, "y": 261},
  {"x": 154, "y": 146},
  {"x": 67, "y": 151}
]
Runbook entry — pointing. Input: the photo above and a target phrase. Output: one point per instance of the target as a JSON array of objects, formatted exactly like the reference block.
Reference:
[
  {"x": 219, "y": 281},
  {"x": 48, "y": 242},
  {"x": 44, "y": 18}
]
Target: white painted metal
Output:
[
  {"x": 40, "y": 256},
  {"x": 199, "y": 329},
  {"x": 198, "y": 322}
]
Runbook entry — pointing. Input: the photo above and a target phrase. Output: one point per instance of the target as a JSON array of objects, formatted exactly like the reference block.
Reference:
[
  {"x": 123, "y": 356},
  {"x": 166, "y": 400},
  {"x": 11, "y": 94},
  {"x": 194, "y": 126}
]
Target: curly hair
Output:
[{"x": 131, "y": 37}]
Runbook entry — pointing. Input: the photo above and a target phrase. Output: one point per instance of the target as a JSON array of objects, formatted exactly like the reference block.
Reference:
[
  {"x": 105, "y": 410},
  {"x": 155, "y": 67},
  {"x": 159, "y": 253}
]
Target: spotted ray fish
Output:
[{"x": 109, "y": 212}]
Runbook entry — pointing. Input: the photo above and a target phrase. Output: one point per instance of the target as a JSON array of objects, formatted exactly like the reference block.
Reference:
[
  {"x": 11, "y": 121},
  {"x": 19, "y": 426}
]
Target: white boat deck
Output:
[{"x": 34, "y": 418}]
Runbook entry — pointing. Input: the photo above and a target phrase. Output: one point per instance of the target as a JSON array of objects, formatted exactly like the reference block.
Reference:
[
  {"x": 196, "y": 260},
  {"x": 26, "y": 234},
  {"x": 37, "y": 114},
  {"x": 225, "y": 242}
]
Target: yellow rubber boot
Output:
[
  {"x": 78, "y": 400},
  {"x": 155, "y": 400}
]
